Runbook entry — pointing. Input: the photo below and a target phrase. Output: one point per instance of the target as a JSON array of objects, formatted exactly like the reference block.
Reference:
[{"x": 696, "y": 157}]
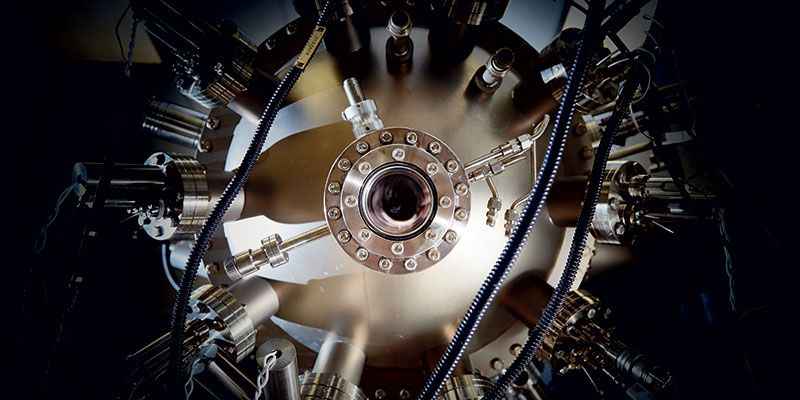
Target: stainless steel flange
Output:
[{"x": 397, "y": 200}]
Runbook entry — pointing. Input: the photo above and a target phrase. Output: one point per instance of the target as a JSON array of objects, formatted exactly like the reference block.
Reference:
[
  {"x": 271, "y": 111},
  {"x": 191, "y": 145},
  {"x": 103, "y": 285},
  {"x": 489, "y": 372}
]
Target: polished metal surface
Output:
[
  {"x": 377, "y": 240},
  {"x": 340, "y": 358},
  {"x": 283, "y": 381},
  {"x": 611, "y": 217},
  {"x": 324, "y": 291},
  {"x": 323, "y": 386},
  {"x": 465, "y": 387}
]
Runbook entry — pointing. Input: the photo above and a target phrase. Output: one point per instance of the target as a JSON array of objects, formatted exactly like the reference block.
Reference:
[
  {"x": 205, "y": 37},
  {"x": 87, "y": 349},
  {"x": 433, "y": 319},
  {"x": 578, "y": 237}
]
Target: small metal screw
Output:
[
  {"x": 350, "y": 201},
  {"x": 560, "y": 354},
  {"x": 433, "y": 255},
  {"x": 344, "y": 164},
  {"x": 385, "y": 264},
  {"x": 334, "y": 188},
  {"x": 205, "y": 146},
  {"x": 362, "y": 147},
  {"x": 497, "y": 364},
  {"x": 362, "y": 254},
  {"x": 364, "y": 234},
  {"x": 386, "y": 137},
  {"x": 404, "y": 394},
  {"x": 462, "y": 189},
  {"x": 431, "y": 168},
  {"x": 619, "y": 228},
  {"x": 587, "y": 152},
  {"x": 411, "y": 138},
  {"x": 364, "y": 167},
  {"x": 515, "y": 349},
  {"x": 398, "y": 154},
  {"x": 450, "y": 236},
  {"x": 212, "y": 123},
  {"x": 445, "y": 201},
  {"x": 435, "y": 148},
  {"x": 461, "y": 214},
  {"x": 343, "y": 236},
  {"x": 397, "y": 248},
  {"x": 451, "y": 165},
  {"x": 591, "y": 313},
  {"x": 380, "y": 394},
  {"x": 430, "y": 234},
  {"x": 410, "y": 264},
  {"x": 334, "y": 213},
  {"x": 212, "y": 268}
]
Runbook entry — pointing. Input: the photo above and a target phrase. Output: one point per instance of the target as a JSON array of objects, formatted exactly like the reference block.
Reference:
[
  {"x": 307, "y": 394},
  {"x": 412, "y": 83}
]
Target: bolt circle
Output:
[
  {"x": 435, "y": 148},
  {"x": 334, "y": 213},
  {"x": 350, "y": 201},
  {"x": 364, "y": 167},
  {"x": 364, "y": 234},
  {"x": 343, "y": 236},
  {"x": 451, "y": 166},
  {"x": 410, "y": 264},
  {"x": 334, "y": 187},
  {"x": 431, "y": 168},
  {"x": 362, "y": 254},
  {"x": 462, "y": 189},
  {"x": 411, "y": 138},
  {"x": 386, "y": 137},
  {"x": 344, "y": 164},
  {"x": 362, "y": 147},
  {"x": 461, "y": 214},
  {"x": 450, "y": 236},
  {"x": 398, "y": 154},
  {"x": 445, "y": 201},
  {"x": 433, "y": 255},
  {"x": 398, "y": 248},
  {"x": 385, "y": 264}
]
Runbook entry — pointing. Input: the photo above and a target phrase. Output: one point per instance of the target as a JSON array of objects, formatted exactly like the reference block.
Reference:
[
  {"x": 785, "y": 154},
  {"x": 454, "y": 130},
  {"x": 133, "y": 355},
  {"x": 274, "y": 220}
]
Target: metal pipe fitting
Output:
[{"x": 362, "y": 112}]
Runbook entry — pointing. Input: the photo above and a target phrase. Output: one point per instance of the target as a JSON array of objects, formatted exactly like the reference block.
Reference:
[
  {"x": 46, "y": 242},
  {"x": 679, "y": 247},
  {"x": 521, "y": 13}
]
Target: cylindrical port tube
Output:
[
  {"x": 174, "y": 123},
  {"x": 131, "y": 184},
  {"x": 283, "y": 383},
  {"x": 340, "y": 358}
]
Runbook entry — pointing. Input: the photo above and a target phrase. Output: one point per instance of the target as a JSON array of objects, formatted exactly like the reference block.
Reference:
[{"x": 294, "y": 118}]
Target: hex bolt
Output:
[
  {"x": 450, "y": 236},
  {"x": 385, "y": 264},
  {"x": 398, "y": 154},
  {"x": 411, "y": 138},
  {"x": 343, "y": 236},
  {"x": 334, "y": 213},
  {"x": 430, "y": 234},
  {"x": 515, "y": 349},
  {"x": 461, "y": 214},
  {"x": 362, "y": 147},
  {"x": 344, "y": 164},
  {"x": 445, "y": 201},
  {"x": 205, "y": 146},
  {"x": 435, "y": 148},
  {"x": 433, "y": 255},
  {"x": 431, "y": 168},
  {"x": 364, "y": 167},
  {"x": 405, "y": 394},
  {"x": 462, "y": 189},
  {"x": 364, "y": 234},
  {"x": 334, "y": 187},
  {"x": 350, "y": 201},
  {"x": 212, "y": 123},
  {"x": 397, "y": 248},
  {"x": 380, "y": 394},
  {"x": 451, "y": 166},
  {"x": 362, "y": 254},
  {"x": 410, "y": 264},
  {"x": 386, "y": 137}
]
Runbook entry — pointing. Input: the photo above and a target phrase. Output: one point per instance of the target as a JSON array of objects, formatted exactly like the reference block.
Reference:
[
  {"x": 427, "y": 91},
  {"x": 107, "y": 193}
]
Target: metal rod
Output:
[
  {"x": 305, "y": 237},
  {"x": 353, "y": 91},
  {"x": 630, "y": 150}
]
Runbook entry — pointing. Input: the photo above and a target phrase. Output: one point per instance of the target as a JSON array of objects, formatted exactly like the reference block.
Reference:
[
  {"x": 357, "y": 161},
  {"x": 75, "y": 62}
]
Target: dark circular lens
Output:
[{"x": 399, "y": 201}]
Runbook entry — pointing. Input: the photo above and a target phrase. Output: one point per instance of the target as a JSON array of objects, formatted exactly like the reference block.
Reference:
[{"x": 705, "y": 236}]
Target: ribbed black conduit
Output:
[
  {"x": 564, "y": 286},
  {"x": 218, "y": 212},
  {"x": 555, "y": 149}
]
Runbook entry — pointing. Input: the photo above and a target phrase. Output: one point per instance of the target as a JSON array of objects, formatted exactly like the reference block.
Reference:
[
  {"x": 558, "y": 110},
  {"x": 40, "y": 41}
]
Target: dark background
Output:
[{"x": 673, "y": 303}]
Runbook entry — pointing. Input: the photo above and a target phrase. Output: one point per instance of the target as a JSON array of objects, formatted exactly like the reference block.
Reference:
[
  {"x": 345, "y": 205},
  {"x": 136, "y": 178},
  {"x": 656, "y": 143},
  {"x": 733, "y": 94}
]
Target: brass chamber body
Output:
[{"x": 324, "y": 293}]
